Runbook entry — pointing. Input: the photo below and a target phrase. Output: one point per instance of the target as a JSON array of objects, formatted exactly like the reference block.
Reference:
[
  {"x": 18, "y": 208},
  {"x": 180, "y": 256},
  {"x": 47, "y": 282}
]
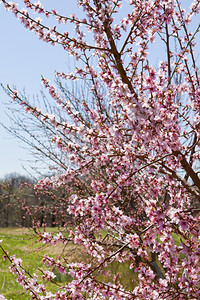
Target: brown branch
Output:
[
  {"x": 189, "y": 170},
  {"x": 174, "y": 175},
  {"x": 115, "y": 52},
  {"x": 168, "y": 53},
  {"x": 117, "y": 57},
  {"x": 63, "y": 36},
  {"x": 190, "y": 46},
  {"x": 191, "y": 153}
]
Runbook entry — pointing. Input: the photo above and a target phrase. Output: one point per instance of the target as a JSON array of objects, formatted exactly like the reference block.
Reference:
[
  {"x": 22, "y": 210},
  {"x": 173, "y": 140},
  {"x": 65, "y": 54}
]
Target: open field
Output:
[{"x": 23, "y": 243}]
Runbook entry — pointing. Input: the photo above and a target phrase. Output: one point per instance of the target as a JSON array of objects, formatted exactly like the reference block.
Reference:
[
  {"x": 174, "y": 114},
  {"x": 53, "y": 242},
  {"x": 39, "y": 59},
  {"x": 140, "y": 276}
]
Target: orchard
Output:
[{"x": 126, "y": 149}]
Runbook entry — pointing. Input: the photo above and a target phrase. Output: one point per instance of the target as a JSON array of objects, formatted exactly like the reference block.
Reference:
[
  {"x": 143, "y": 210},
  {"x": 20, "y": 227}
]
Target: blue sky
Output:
[{"x": 23, "y": 59}]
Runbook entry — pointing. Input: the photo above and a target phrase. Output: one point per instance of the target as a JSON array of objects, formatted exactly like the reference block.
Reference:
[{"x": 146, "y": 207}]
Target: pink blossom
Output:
[{"x": 124, "y": 148}]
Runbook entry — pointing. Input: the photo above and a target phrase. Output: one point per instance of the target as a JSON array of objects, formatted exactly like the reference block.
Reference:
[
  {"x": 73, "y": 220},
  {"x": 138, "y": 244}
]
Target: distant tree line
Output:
[{"x": 22, "y": 205}]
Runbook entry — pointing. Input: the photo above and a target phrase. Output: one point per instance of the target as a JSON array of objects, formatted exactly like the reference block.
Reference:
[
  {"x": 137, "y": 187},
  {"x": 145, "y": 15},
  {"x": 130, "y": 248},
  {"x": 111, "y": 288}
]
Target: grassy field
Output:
[{"x": 24, "y": 244}]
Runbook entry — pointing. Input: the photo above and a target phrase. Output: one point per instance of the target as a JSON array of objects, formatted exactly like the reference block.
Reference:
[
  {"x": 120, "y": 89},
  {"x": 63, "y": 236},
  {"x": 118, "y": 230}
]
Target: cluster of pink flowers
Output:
[{"x": 132, "y": 146}]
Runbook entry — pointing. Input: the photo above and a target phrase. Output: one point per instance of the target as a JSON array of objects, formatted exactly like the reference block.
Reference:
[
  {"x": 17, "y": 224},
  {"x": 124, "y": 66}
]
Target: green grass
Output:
[
  {"x": 24, "y": 244},
  {"x": 122, "y": 273},
  {"x": 15, "y": 241}
]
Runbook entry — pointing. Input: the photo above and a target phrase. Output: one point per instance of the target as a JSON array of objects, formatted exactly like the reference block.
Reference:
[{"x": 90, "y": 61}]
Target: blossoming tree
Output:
[{"x": 133, "y": 147}]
